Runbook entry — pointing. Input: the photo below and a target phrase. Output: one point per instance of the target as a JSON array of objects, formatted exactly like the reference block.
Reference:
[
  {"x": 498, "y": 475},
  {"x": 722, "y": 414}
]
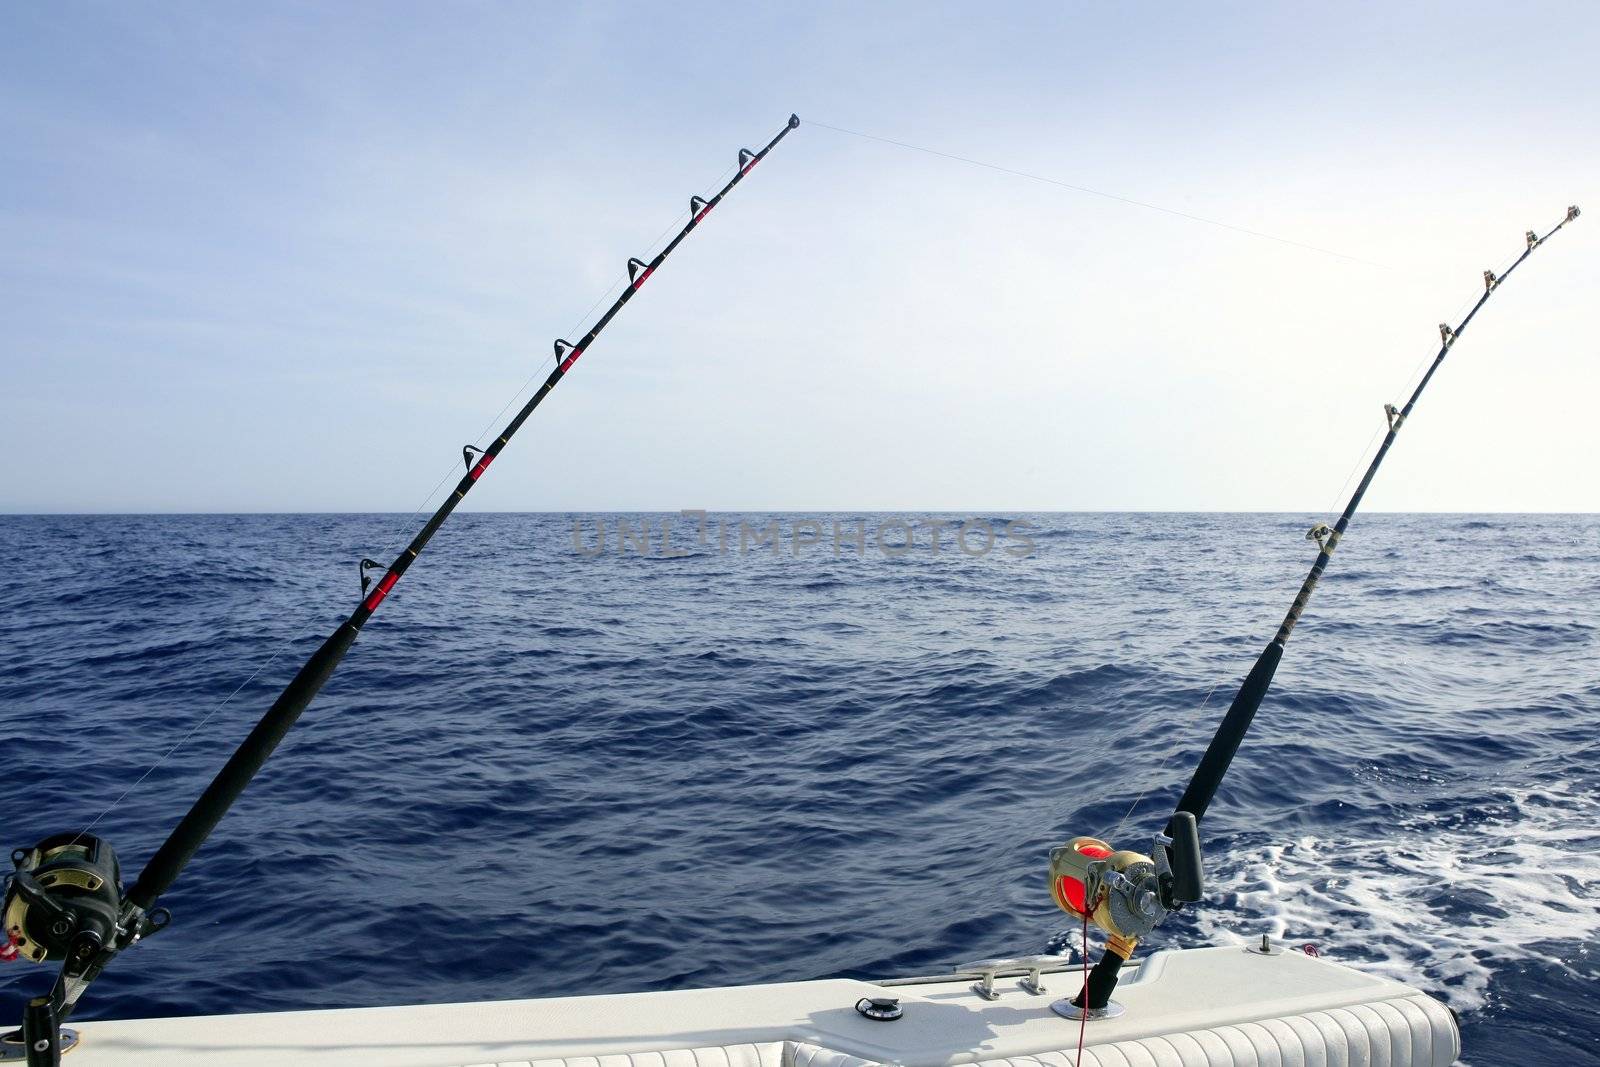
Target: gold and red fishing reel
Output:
[
  {"x": 1127, "y": 893},
  {"x": 1078, "y": 872}
]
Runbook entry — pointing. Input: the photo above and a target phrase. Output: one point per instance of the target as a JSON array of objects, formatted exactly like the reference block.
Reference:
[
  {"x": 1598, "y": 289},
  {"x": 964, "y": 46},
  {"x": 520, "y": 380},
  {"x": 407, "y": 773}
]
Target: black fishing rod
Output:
[
  {"x": 1128, "y": 894},
  {"x": 64, "y": 900},
  {"x": 1219, "y": 754}
]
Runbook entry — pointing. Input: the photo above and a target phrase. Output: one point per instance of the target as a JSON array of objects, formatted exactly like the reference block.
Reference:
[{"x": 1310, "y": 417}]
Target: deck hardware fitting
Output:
[
  {"x": 1264, "y": 947},
  {"x": 880, "y": 1009},
  {"x": 1068, "y": 1010}
]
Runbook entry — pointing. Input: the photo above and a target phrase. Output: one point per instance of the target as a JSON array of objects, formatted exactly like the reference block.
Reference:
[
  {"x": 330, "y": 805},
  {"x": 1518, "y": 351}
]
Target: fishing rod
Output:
[
  {"x": 65, "y": 900},
  {"x": 1127, "y": 894}
]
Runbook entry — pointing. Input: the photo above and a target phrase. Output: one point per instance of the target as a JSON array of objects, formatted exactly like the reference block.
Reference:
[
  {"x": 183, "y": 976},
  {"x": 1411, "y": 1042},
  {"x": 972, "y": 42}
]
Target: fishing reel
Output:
[
  {"x": 1127, "y": 894},
  {"x": 64, "y": 901}
]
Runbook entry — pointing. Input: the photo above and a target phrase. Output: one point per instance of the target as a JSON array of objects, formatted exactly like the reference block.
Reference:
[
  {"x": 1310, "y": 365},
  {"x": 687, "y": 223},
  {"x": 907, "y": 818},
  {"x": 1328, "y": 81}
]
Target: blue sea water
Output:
[{"x": 547, "y": 772}]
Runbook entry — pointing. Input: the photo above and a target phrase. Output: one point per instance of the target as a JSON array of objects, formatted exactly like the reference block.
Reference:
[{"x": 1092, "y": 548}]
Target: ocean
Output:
[{"x": 776, "y": 749}]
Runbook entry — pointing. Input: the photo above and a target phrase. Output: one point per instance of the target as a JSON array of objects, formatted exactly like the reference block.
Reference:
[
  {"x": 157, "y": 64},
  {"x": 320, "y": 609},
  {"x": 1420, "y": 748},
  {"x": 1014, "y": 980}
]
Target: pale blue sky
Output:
[{"x": 278, "y": 256}]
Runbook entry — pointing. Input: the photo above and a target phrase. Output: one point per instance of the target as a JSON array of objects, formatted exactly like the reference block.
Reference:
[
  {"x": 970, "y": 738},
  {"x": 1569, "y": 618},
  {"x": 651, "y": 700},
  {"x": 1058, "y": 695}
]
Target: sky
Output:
[{"x": 290, "y": 257}]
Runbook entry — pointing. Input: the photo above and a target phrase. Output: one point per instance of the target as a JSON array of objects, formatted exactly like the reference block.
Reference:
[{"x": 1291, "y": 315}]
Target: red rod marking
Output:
[
  {"x": 483, "y": 465},
  {"x": 382, "y": 591},
  {"x": 573, "y": 358},
  {"x": 703, "y": 213},
  {"x": 640, "y": 280}
]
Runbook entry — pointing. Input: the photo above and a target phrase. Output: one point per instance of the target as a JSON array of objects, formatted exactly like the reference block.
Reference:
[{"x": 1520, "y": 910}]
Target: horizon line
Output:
[{"x": 4, "y": 514}]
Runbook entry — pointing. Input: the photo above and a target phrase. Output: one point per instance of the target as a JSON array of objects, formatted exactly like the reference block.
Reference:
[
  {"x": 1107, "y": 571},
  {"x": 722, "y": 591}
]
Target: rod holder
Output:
[{"x": 42, "y": 1036}]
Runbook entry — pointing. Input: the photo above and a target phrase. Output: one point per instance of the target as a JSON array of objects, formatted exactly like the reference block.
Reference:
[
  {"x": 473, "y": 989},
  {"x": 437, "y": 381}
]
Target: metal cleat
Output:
[{"x": 1032, "y": 967}]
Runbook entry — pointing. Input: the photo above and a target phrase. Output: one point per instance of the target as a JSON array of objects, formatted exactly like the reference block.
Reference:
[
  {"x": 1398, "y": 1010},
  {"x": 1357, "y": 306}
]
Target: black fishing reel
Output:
[{"x": 65, "y": 901}]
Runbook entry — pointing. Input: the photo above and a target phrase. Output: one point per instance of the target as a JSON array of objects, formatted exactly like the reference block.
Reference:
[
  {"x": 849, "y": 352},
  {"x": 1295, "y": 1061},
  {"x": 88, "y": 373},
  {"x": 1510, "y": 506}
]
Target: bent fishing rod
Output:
[
  {"x": 64, "y": 901},
  {"x": 1127, "y": 894}
]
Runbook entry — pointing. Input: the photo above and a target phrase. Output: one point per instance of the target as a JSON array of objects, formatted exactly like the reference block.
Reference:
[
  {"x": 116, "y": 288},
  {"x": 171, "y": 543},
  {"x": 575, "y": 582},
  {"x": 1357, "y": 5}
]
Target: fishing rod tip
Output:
[
  {"x": 794, "y": 124},
  {"x": 1572, "y": 212}
]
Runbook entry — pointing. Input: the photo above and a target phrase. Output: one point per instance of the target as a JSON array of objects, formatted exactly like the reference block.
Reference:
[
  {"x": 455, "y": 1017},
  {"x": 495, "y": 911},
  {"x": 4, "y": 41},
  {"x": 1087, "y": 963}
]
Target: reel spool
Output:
[
  {"x": 66, "y": 891},
  {"x": 65, "y": 902},
  {"x": 1125, "y": 893},
  {"x": 1081, "y": 879}
]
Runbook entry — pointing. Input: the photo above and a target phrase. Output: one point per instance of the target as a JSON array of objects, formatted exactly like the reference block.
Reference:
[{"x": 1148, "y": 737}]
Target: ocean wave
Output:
[{"x": 630, "y": 773}]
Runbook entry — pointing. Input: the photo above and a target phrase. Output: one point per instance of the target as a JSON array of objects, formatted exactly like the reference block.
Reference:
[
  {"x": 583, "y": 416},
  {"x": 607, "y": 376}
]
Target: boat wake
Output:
[{"x": 1445, "y": 903}]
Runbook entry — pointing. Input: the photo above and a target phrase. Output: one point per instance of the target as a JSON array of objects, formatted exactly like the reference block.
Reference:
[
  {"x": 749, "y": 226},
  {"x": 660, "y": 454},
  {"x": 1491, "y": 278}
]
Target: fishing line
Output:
[
  {"x": 1083, "y": 1020},
  {"x": 1455, "y": 316},
  {"x": 1361, "y": 457},
  {"x": 1405, "y": 388},
  {"x": 1156, "y": 774},
  {"x": 617, "y": 283},
  {"x": 1377, "y": 431},
  {"x": 178, "y": 744},
  {"x": 1100, "y": 193}
]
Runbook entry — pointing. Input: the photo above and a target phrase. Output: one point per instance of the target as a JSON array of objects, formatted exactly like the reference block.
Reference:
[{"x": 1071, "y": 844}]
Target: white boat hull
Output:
[{"x": 1193, "y": 1008}]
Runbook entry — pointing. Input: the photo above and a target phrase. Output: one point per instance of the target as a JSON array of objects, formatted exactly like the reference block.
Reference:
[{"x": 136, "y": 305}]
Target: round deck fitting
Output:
[
  {"x": 1068, "y": 1010},
  {"x": 1264, "y": 947},
  {"x": 880, "y": 1009},
  {"x": 11, "y": 1050}
]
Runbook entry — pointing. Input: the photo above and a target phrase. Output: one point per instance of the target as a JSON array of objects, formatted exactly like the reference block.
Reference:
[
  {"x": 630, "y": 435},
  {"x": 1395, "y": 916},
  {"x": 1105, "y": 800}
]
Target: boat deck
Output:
[{"x": 1243, "y": 1001}]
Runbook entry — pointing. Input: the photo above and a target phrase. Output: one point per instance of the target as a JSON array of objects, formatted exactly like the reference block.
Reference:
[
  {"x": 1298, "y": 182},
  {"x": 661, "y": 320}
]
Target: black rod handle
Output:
[
  {"x": 191, "y": 832},
  {"x": 1219, "y": 753}
]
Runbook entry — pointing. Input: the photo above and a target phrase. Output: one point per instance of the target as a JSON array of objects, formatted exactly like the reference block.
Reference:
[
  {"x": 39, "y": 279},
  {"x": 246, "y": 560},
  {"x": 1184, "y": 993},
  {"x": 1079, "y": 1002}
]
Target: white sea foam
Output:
[{"x": 1437, "y": 905}]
